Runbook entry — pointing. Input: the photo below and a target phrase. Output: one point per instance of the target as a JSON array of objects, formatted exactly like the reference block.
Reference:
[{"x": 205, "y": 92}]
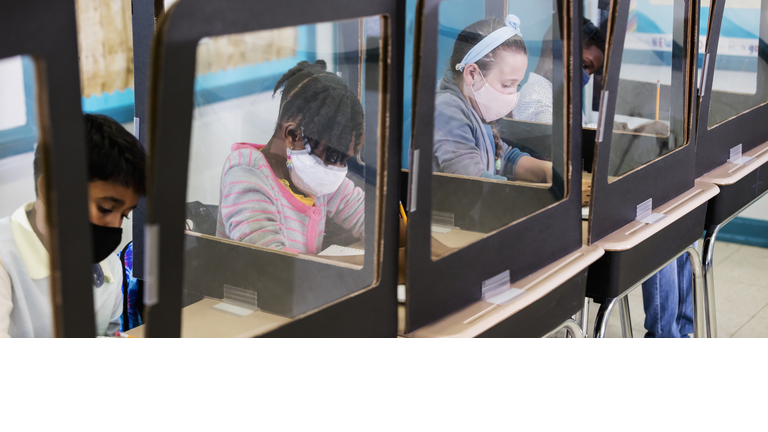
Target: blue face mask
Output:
[{"x": 584, "y": 77}]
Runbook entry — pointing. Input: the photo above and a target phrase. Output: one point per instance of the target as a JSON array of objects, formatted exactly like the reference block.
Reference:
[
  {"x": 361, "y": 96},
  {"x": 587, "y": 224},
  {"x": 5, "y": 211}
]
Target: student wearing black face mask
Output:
[{"x": 116, "y": 169}]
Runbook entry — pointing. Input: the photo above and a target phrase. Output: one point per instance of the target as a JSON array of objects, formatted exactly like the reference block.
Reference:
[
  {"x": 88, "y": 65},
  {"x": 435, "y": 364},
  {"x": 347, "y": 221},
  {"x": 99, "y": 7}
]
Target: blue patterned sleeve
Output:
[{"x": 510, "y": 162}]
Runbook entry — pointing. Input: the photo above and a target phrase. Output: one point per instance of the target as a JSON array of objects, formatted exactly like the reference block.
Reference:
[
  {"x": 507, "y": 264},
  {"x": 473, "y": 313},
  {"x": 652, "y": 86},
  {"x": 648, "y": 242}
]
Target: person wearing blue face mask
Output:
[{"x": 536, "y": 95}]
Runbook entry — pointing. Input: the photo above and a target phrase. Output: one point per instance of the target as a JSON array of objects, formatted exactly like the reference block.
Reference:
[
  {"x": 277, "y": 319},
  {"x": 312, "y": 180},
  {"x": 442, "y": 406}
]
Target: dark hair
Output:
[
  {"x": 325, "y": 107},
  {"x": 592, "y": 36},
  {"x": 114, "y": 154},
  {"x": 471, "y": 36}
]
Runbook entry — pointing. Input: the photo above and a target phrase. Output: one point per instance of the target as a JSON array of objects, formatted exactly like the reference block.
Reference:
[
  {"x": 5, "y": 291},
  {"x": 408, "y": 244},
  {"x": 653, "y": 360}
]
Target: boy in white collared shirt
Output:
[{"x": 116, "y": 168}]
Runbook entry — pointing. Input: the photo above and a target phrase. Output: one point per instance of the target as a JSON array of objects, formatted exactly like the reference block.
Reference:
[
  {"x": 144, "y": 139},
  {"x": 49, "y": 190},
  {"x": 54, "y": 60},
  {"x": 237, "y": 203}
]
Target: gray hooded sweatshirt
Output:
[{"x": 463, "y": 144}]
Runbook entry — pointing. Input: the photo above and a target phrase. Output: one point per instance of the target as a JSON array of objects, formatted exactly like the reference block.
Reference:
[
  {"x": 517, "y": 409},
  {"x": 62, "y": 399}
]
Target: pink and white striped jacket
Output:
[{"x": 255, "y": 208}]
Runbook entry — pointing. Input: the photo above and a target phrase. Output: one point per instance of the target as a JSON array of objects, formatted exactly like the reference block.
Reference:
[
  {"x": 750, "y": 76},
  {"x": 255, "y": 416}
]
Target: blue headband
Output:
[{"x": 490, "y": 42}]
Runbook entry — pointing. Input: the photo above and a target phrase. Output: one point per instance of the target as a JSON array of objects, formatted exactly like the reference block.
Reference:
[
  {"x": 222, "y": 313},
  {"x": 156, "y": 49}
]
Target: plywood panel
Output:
[{"x": 105, "y": 44}]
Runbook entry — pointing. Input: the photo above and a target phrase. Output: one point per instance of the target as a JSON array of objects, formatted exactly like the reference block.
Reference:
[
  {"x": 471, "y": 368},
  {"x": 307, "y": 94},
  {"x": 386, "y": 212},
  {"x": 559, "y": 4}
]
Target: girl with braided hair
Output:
[
  {"x": 279, "y": 195},
  {"x": 488, "y": 63}
]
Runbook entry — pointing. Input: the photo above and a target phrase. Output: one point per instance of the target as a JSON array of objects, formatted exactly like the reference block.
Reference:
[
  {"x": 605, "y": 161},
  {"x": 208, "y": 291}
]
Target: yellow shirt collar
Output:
[{"x": 32, "y": 251}]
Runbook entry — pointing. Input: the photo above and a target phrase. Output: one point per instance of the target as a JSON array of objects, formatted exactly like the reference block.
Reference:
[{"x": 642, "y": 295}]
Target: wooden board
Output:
[{"x": 201, "y": 320}]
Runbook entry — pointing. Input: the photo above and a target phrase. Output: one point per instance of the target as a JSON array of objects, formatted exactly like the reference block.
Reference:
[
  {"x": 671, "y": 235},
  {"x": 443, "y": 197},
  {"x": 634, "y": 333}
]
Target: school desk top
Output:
[
  {"x": 201, "y": 320},
  {"x": 483, "y": 315},
  {"x": 730, "y": 173},
  {"x": 636, "y": 232}
]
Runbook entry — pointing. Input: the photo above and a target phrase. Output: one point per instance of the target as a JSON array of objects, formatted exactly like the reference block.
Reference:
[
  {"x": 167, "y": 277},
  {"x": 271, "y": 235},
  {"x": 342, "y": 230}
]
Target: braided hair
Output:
[
  {"x": 471, "y": 36},
  {"x": 324, "y": 106}
]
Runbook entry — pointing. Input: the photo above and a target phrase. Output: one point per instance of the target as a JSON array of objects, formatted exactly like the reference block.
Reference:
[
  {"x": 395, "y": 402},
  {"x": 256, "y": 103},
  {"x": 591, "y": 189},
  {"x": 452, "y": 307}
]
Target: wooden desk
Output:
[
  {"x": 458, "y": 238},
  {"x": 480, "y": 318},
  {"x": 200, "y": 320},
  {"x": 639, "y": 250},
  {"x": 740, "y": 186}
]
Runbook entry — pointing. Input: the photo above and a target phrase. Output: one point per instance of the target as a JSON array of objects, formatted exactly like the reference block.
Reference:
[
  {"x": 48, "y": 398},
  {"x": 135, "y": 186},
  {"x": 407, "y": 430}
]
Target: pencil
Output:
[
  {"x": 658, "y": 95},
  {"x": 402, "y": 213}
]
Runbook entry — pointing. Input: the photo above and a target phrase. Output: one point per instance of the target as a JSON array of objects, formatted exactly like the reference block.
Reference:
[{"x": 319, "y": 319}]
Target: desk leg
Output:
[
  {"x": 699, "y": 311},
  {"x": 626, "y": 321},
  {"x": 584, "y": 322},
  {"x": 708, "y": 260},
  {"x": 573, "y": 329},
  {"x": 601, "y": 321}
]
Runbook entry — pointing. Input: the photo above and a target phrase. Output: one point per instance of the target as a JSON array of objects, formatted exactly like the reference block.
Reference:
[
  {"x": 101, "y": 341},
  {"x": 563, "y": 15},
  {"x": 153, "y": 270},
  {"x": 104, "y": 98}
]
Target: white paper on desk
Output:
[
  {"x": 336, "y": 250},
  {"x": 232, "y": 309},
  {"x": 441, "y": 229}
]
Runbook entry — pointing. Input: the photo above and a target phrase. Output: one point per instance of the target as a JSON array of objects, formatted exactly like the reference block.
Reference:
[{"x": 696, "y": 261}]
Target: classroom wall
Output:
[
  {"x": 215, "y": 127},
  {"x": 13, "y": 107}
]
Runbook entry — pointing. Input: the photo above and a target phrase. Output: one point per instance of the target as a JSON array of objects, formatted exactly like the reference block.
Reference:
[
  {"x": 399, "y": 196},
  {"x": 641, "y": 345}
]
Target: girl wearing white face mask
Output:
[
  {"x": 279, "y": 195},
  {"x": 488, "y": 63}
]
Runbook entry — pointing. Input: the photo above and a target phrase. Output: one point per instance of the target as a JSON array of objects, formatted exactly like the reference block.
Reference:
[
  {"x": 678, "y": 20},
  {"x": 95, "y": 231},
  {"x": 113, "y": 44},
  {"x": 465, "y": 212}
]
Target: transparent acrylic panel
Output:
[
  {"x": 284, "y": 174},
  {"x": 649, "y": 121},
  {"x": 593, "y": 38},
  {"x": 499, "y": 148},
  {"x": 26, "y": 308},
  {"x": 703, "y": 35},
  {"x": 739, "y": 83}
]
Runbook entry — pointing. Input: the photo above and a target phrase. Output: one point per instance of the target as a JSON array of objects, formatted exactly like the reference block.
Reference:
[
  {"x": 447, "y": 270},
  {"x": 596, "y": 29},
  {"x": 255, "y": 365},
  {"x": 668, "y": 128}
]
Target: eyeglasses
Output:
[{"x": 331, "y": 156}]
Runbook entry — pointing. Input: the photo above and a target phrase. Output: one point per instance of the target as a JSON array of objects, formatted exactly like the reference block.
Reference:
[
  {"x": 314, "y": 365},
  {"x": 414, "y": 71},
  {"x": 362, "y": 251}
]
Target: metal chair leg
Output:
[
  {"x": 708, "y": 258},
  {"x": 601, "y": 321},
  {"x": 572, "y": 329},
  {"x": 626, "y": 321},
  {"x": 700, "y": 322},
  {"x": 584, "y": 322}
]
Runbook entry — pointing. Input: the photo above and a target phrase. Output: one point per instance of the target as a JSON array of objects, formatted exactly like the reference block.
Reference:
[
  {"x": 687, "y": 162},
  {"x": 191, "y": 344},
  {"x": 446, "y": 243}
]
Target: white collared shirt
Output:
[{"x": 25, "y": 301}]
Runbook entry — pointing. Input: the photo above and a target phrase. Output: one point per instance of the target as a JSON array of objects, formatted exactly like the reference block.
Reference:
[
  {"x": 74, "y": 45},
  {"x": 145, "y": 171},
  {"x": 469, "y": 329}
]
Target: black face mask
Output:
[{"x": 105, "y": 240}]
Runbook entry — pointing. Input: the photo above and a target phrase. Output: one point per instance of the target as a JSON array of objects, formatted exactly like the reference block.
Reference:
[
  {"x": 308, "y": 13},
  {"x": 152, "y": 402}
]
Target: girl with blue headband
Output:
[{"x": 488, "y": 63}]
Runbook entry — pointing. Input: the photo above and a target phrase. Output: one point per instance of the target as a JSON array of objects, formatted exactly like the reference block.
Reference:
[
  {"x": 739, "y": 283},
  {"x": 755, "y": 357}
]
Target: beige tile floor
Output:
[{"x": 741, "y": 295}]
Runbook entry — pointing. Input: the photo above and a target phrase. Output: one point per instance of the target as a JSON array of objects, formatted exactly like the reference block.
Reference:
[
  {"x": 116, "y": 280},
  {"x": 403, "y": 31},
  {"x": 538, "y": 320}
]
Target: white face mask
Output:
[
  {"x": 493, "y": 105},
  {"x": 311, "y": 175}
]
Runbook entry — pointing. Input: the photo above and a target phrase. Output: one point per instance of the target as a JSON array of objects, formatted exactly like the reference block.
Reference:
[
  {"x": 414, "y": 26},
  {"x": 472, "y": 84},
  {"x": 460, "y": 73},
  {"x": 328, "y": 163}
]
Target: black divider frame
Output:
[
  {"x": 47, "y": 31},
  {"x": 749, "y": 128},
  {"x": 437, "y": 288},
  {"x": 371, "y": 312},
  {"x": 614, "y": 204},
  {"x": 144, "y": 14}
]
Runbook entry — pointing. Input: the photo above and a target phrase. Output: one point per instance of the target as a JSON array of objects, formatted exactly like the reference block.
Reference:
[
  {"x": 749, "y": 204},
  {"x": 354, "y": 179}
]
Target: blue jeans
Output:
[{"x": 668, "y": 301}]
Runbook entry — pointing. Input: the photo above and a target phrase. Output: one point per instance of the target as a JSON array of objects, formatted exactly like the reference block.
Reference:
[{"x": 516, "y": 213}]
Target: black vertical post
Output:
[
  {"x": 495, "y": 8},
  {"x": 143, "y": 18}
]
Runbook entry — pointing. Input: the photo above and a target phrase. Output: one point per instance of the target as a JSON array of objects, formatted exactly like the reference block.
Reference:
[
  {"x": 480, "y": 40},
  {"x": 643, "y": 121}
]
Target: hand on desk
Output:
[
  {"x": 586, "y": 189},
  {"x": 533, "y": 170},
  {"x": 621, "y": 126},
  {"x": 653, "y": 128},
  {"x": 357, "y": 260}
]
